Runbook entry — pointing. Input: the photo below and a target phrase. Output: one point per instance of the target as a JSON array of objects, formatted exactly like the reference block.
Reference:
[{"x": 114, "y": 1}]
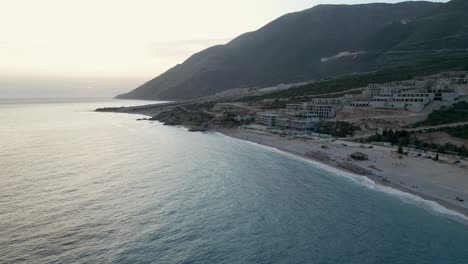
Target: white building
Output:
[
  {"x": 340, "y": 101},
  {"x": 460, "y": 85},
  {"x": 322, "y": 111},
  {"x": 413, "y": 102},
  {"x": 413, "y": 95},
  {"x": 323, "y": 108},
  {"x": 303, "y": 122},
  {"x": 268, "y": 119}
]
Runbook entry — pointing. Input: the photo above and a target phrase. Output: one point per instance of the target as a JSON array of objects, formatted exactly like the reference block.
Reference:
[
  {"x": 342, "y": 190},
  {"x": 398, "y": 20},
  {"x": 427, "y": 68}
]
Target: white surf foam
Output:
[{"x": 368, "y": 183}]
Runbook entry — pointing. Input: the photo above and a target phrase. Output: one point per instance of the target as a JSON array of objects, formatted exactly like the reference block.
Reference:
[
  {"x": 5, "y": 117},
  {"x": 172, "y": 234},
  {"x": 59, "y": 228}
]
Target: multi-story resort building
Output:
[
  {"x": 298, "y": 121},
  {"x": 302, "y": 117},
  {"x": 268, "y": 119},
  {"x": 323, "y": 108},
  {"x": 301, "y": 122},
  {"x": 414, "y": 102},
  {"x": 413, "y": 95}
]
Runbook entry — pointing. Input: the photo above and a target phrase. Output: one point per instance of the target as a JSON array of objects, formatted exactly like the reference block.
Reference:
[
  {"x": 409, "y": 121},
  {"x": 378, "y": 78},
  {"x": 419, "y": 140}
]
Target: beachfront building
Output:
[
  {"x": 299, "y": 121},
  {"x": 303, "y": 122},
  {"x": 323, "y": 108},
  {"x": 268, "y": 119}
]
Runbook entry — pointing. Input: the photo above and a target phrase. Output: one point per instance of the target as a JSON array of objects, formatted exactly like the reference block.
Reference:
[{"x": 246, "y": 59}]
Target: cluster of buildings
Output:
[
  {"x": 411, "y": 95},
  {"x": 302, "y": 117}
]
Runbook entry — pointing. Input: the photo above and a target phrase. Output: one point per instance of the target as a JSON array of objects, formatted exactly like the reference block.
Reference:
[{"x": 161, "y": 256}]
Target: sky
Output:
[{"x": 100, "y": 48}]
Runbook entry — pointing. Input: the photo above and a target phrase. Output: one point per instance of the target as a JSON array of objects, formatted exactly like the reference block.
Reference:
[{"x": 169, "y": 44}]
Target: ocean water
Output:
[{"x": 83, "y": 187}]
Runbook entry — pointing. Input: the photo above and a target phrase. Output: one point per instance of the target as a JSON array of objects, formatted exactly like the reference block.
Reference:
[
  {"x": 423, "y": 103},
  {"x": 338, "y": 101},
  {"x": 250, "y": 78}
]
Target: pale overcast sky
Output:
[{"x": 61, "y": 48}]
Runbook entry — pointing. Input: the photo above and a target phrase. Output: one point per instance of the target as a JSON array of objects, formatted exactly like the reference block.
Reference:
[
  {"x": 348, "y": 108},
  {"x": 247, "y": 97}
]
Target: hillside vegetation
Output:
[{"x": 425, "y": 68}]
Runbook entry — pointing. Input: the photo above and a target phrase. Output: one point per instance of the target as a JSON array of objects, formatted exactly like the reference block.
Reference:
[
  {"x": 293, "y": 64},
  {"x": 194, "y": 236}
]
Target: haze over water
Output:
[{"x": 85, "y": 187}]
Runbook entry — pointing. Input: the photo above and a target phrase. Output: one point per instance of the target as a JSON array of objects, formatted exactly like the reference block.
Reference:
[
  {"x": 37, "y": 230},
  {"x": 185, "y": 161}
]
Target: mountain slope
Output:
[{"x": 321, "y": 42}]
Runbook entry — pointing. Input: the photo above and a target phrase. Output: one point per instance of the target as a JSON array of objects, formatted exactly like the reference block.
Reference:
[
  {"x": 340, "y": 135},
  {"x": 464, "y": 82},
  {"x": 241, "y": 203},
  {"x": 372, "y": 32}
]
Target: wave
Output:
[{"x": 370, "y": 184}]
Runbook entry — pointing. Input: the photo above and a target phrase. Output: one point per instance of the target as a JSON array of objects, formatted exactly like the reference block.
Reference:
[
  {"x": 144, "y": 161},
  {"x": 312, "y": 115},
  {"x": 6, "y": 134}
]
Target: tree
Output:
[
  {"x": 384, "y": 133},
  {"x": 400, "y": 149}
]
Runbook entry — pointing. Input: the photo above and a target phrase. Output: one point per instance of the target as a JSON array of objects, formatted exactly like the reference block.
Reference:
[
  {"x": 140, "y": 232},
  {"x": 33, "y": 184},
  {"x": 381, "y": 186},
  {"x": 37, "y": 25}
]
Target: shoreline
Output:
[
  {"x": 276, "y": 142},
  {"x": 244, "y": 136}
]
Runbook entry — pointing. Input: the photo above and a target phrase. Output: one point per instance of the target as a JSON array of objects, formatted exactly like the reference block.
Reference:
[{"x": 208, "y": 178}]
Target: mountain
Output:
[{"x": 321, "y": 42}]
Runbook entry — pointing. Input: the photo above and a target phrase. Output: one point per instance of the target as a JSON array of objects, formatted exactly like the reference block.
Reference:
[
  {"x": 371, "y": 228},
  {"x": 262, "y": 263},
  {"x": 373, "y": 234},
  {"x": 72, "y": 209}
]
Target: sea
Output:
[{"x": 77, "y": 186}]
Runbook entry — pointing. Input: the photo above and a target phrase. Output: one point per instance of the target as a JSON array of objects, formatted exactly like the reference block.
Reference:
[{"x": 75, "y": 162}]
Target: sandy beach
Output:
[{"x": 439, "y": 181}]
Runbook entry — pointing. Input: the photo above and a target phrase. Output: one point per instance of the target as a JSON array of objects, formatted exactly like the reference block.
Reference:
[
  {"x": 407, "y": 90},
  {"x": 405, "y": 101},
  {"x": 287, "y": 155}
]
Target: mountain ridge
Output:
[{"x": 292, "y": 48}]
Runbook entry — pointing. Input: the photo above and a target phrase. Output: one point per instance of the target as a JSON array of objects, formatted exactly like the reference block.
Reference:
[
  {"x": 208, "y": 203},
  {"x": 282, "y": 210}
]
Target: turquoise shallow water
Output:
[{"x": 84, "y": 187}]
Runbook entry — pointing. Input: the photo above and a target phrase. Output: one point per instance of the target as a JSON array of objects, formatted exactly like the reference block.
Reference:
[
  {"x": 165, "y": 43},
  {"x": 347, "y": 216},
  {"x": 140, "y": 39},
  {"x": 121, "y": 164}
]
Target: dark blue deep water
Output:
[{"x": 84, "y": 187}]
